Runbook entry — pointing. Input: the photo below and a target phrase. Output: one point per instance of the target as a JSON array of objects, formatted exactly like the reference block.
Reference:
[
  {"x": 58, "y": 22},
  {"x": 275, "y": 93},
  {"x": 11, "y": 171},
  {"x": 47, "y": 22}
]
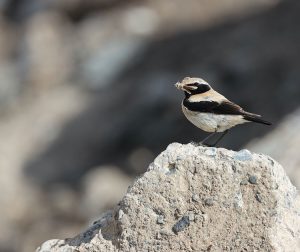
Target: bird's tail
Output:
[{"x": 255, "y": 118}]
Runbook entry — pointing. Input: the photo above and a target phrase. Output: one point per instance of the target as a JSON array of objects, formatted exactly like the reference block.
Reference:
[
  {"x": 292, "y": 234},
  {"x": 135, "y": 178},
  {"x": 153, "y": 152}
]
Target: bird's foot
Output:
[
  {"x": 207, "y": 145},
  {"x": 201, "y": 144}
]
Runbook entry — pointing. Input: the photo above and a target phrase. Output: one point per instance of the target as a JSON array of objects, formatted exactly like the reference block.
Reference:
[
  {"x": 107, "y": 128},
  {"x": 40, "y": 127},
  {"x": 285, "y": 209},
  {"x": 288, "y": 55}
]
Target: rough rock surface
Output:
[
  {"x": 287, "y": 152},
  {"x": 199, "y": 199}
]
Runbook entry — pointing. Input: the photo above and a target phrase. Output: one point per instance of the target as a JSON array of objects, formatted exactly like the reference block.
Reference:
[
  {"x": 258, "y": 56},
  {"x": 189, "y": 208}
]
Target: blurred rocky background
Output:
[{"x": 87, "y": 97}]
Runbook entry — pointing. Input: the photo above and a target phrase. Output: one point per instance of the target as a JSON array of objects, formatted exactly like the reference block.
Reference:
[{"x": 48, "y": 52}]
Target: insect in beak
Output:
[{"x": 184, "y": 87}]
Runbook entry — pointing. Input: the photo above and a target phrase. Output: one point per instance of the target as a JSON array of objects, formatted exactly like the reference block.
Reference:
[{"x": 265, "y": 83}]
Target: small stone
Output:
[
  {"x": 158, "y": 235},
  {"x": 191, "y": 216},
  {"x": 258, "y": 197},
  {"x": 243, "y": 155},
  {"x": 195, "y": 197},
  {"x": 244, "y": 182},
  {"x": 233, "y": 168},
  {"x": 160, "y": 220},
  {"x": 253, "y": 179},
  {"x": 209, "y": 202},
  {"x": 165, "y": 232},
  {"x": 183, "y": 223},
  {"x": 238, "y": 201},
  {"x": 120, "y": 214},
  {"x": 172, "y": 166},
  {"x": 177, "y": 213},
  {"x": 211, "y": 151}
]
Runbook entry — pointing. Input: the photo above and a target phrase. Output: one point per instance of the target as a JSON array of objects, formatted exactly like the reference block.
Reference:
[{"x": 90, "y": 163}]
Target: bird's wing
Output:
[
  {"x": 228, "y": 108},
  {"x": 224, "y": 107}
]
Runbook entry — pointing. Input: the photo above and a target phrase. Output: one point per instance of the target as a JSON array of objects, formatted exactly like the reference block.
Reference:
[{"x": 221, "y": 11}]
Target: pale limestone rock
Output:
[
  {"x": 287, "y": 152},
  {"x": 244, "y": 201}
]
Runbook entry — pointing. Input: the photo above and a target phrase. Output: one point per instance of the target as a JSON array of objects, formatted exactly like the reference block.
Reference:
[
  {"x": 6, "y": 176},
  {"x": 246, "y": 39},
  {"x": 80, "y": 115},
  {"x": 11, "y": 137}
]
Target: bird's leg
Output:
[
  {"x": 220, "y": 138},
  {"x": 206, "y": 138}
]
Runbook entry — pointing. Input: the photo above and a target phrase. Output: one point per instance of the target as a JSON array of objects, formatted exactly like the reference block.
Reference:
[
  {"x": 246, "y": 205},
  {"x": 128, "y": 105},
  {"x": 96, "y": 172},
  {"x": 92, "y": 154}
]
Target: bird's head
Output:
[{"x": 193, "y": 86}]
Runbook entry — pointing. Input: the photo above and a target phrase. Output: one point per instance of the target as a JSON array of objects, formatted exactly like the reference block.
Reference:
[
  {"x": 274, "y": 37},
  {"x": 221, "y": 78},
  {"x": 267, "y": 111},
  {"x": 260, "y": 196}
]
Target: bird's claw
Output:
[
  {"x": 207, "y": 145},
  {"x": 201, "y": 144}
]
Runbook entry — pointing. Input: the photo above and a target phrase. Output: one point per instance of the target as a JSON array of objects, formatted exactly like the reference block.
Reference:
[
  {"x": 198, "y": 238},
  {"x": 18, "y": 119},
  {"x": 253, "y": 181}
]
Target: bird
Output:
[{"x": 210, "y": 111}]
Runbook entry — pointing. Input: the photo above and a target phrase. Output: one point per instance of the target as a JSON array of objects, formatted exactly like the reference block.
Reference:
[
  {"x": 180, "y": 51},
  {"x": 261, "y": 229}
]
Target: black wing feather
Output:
[{"x": 223, "y": 108}]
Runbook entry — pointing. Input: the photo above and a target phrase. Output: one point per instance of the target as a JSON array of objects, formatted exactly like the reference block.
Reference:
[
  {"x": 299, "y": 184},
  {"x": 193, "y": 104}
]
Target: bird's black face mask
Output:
[{"x": 196, "y": 88}]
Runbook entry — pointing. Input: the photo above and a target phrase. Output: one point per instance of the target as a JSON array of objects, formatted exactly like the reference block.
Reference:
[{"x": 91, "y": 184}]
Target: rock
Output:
[
  {"x": 183, "y": 223},
  {"x": 287, "y": 152},
  {"x": 160, "y": 219},
  {"x": 43, "y": 46},
  {"x": 209, "y": 202},
  {"x": 158, "y": 213}
]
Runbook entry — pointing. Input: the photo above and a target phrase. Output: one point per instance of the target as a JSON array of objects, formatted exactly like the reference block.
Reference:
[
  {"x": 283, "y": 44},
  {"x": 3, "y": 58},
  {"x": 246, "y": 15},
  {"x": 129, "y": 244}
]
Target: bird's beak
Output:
[
  {"x": 182, "y": 87},
  {"x": 178, "y": 85}
]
